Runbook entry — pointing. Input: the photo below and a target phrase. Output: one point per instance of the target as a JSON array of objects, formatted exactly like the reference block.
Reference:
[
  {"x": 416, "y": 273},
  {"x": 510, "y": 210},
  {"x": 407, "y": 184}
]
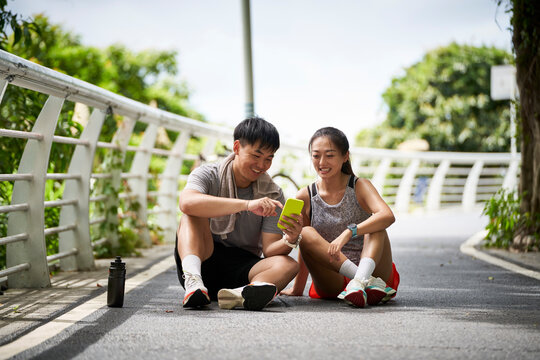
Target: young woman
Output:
[{"x": 345, "y": 221}]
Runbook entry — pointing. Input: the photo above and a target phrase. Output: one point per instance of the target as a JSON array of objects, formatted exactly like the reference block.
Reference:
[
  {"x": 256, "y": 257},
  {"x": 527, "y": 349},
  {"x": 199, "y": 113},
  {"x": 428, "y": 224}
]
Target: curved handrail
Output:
[{"x": 405, "y": 179}]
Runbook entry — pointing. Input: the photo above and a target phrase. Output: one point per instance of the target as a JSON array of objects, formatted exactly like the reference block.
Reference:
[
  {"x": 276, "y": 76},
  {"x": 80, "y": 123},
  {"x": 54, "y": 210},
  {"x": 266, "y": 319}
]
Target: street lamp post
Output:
[{"x": 248, "y": 63}]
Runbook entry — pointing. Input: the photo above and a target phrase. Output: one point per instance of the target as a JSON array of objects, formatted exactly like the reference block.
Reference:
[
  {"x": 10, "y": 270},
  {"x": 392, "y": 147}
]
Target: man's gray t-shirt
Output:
[{"x": 248, "y": 228}]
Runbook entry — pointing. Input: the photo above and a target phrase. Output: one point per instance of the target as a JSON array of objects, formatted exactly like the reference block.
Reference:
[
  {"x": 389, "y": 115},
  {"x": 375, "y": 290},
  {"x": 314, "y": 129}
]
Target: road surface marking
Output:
[
  {"x": 54, "y": 327},
  {"x": 468, "y": 248}
]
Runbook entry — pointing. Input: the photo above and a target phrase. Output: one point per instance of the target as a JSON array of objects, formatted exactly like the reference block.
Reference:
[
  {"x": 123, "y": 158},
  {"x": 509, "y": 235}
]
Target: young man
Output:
[{"x": 230, "y": 215}]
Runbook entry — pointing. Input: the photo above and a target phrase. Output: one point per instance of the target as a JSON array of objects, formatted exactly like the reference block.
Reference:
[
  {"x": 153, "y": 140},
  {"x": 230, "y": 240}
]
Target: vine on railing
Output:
[
  {"x": 122, "y": 227},
  {"x": 19, "y": 112}
]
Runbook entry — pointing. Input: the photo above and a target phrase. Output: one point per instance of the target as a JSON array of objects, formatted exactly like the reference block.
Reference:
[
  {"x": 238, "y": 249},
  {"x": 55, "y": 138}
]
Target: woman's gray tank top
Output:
[{"x": 331, "y": 220}]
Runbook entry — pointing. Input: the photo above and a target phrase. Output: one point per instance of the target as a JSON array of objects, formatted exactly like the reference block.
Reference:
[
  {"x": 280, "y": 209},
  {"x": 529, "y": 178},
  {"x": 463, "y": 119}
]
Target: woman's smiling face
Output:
[{"x": 326, "y": 158}]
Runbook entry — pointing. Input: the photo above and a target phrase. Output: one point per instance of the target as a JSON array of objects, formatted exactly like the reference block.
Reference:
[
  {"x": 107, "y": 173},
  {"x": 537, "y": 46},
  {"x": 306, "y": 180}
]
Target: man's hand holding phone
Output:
[{"x": 290, "y": 220}]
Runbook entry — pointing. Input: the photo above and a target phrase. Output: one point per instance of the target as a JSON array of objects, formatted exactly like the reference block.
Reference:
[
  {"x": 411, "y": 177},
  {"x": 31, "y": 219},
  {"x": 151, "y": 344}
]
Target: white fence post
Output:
[
  {"x": 403, "y": 196},
  {"x": 34, "y": 161},
  {"x": 510, "y": 180},
  {"x": 209, "y": 149},
  {"x": 121, "y": 139},
  {"x": 3, "y": 87},
  {"x": 356, "y": 162},
  {"x": 80, "y": 164},
  {"x": 469, "y": 192},
  {"x": 380, "y": 174},
  {"x": 433, "y": 201},
  {"x": 139, "y": 184},
  {"x": 168, "y": 200}
]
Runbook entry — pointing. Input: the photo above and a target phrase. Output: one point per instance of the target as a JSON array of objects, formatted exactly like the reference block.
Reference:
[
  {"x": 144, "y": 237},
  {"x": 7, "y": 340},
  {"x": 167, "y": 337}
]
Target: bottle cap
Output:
[{"x": 118, "y": 264}]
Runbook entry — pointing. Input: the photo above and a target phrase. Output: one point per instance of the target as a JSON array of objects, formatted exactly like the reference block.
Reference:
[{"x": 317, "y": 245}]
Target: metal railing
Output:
[
  {"x": 434, "y": 180},
  {"x": 406, "y": 180}
]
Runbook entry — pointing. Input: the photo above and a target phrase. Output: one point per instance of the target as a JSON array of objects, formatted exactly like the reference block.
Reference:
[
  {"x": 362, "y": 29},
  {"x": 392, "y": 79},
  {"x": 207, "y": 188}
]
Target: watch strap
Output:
[
  {"x": 293, "y": 245},
  {"x": 352, "y": 227}
]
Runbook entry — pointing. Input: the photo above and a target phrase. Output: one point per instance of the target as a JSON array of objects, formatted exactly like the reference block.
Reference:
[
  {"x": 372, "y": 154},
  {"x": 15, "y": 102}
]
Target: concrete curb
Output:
[{"x": 468, "y": 247}]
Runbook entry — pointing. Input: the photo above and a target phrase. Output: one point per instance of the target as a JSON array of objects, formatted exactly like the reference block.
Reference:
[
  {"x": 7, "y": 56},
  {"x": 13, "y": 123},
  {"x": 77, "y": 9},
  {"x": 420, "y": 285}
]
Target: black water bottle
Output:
[{"x": 117, "y": 280}]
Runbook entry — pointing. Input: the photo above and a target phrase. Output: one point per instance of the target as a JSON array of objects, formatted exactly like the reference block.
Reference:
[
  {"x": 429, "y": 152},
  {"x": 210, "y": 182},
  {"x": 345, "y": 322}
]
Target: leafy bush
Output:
[
  {"x": 503, "y": 212},
  {"x": 505, "y": 217}
]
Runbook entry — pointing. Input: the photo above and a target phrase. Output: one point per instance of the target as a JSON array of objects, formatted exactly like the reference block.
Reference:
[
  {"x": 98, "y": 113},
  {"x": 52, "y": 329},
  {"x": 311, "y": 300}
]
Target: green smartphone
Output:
[{"x": 292, "y": 206}]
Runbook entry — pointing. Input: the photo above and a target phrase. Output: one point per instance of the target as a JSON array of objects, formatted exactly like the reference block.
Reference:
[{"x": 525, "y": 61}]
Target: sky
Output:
[{"x": 316, "y": 63}]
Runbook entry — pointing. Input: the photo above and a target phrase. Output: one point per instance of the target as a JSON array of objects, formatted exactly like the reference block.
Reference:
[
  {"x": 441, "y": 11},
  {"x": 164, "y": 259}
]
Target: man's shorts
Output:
[
  {"x": 227, "y": 268},
  {"x": 318, "y": 294}
]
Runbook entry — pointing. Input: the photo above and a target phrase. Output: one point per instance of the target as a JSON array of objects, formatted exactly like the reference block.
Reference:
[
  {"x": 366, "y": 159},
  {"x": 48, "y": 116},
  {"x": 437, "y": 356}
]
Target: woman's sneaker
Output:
[
  {"x": 355, "y": 293},
  {"x": 254, "y": 296},
  {"x": 376, "y": 290},
  {"x": 390, "y": 293},
  {"x": 196, "y": 292}
]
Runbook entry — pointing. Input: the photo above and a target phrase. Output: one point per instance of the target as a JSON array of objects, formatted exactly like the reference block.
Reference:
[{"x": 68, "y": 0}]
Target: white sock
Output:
[
  {"x": 192, "y": 264},
  {"x": 348, "y": 269},
  {"x": 365, "y": 269}
]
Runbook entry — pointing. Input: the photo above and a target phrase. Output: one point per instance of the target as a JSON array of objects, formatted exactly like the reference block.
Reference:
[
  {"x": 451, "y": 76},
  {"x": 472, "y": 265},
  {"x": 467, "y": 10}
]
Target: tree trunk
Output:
[{"x": 526, "y": 39}]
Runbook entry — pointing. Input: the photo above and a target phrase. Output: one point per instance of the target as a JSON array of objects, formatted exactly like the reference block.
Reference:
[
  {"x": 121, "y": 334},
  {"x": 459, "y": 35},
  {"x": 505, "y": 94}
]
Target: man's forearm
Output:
[
  {"x": 203, "y": 205},
  {"x": 277, "y": 248}
]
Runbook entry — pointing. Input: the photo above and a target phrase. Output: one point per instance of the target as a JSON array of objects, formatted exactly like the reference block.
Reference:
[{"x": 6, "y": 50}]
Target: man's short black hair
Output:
[{"x": 257, "y": 130}]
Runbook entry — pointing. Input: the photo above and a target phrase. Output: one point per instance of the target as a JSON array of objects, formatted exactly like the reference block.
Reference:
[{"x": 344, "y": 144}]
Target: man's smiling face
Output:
[{"x": 251, "y": 161}]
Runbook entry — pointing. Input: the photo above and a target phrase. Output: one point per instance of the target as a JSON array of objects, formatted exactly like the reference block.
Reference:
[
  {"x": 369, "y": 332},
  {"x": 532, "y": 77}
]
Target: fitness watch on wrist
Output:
[{"x": 352, "y": 227}]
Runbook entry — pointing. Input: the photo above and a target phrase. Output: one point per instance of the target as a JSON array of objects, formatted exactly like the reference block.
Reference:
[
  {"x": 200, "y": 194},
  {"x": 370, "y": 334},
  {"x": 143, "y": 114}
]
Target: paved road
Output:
[{"x": 448, "y": 306}]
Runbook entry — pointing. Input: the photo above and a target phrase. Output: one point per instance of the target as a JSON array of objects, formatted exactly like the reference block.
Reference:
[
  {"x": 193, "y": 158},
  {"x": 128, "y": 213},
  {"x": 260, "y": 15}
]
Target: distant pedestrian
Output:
[
  {"x": 345, "y": 222},
  {"x": 230, "y": 215}
]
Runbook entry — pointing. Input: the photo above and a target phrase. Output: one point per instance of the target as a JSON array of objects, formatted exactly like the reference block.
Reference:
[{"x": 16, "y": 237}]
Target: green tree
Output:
[
  {"x": 11, "y": 23},
  {"x": 444, "y": 99},
  {"x": 144, "y": 76},
  {"x": 526, "y": 39}
]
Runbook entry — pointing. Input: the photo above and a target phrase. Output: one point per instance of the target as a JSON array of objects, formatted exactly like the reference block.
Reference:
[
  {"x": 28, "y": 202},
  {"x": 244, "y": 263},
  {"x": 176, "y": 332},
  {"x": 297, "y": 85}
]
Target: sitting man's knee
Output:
[
  {"x": 184, "y": 221},
  {"x": 286, "y": 264},
  {"x": 185, "y": 218},
  {"x": 194, "y": 223},
  {"x": 294, "y": 266}
]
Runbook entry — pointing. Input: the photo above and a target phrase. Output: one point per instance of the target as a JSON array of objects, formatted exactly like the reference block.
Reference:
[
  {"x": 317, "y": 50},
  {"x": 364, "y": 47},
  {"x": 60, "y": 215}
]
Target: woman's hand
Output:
[
  {"x": 335, "y": 246},
  {"x": 291, "y": 292}
]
